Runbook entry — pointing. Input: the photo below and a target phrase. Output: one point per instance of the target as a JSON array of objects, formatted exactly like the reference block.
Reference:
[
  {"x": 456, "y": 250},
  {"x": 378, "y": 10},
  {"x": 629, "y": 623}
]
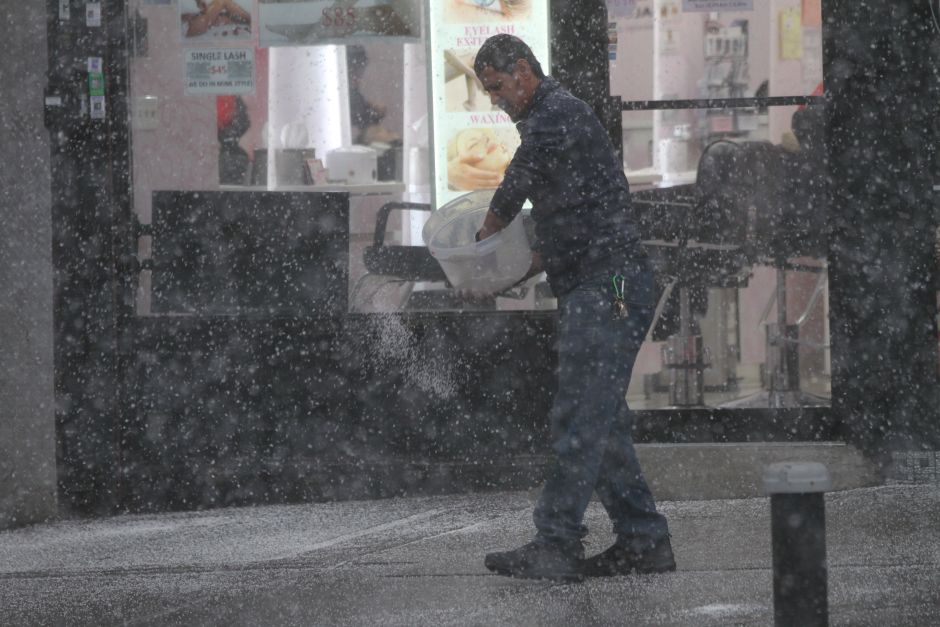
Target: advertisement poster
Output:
[
  {"x": 812, "y": 13},
  {"x": 225, "y": 71},
  {"x": 474, "y": 140},
  {"x": 310, "y": 22},
  {"x": 706, "y": 6},
  {"x": 791, "y": 34},
  {"x": 214, "y": 21}
]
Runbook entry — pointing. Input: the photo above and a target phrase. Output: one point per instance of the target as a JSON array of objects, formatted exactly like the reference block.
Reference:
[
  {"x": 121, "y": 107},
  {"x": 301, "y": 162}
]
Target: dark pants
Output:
[{"x": 591, "y": 423}]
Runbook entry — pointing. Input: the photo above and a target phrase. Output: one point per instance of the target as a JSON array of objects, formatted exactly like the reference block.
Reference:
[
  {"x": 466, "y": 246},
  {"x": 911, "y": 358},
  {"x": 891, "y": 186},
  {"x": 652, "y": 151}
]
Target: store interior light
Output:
[{"x": 307, "y": 87}]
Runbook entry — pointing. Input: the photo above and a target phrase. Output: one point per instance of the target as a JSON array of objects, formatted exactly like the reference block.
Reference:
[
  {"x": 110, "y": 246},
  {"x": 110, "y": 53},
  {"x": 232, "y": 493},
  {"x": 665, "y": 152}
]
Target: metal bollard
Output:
[{"x": 798, "y": 529}]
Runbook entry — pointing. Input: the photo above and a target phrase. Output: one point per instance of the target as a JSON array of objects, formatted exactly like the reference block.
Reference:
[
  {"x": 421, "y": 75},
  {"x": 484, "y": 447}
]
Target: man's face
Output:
[{"x": 511, "y": 92}]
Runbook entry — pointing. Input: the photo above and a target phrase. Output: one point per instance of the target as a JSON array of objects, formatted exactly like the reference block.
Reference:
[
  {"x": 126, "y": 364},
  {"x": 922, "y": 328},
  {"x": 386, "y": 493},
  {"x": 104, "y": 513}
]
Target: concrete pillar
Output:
[
  {"x": 27, "y": 419},
  {"x": 798, "y": 531},
  {"x": 882, "y": 86}
]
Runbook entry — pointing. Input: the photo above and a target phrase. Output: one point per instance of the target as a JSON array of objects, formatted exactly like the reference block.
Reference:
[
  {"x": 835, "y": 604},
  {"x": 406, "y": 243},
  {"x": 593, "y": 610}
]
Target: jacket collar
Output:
[{"x": 546, "y": 86}]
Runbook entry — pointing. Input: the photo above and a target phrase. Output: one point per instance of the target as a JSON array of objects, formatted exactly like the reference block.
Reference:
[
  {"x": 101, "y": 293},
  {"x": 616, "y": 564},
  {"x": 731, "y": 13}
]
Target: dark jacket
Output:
[{"x": 567, "y": 166}]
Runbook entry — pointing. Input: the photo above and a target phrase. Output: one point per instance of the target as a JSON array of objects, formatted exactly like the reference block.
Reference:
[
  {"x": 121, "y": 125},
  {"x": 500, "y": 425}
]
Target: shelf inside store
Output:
[{"x": 651, "y": 177}]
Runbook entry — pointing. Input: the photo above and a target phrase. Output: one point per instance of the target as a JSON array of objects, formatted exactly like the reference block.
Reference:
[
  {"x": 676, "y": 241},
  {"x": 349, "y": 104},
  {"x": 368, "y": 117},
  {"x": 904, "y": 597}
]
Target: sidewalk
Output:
[{"x": 418, "y": 561}]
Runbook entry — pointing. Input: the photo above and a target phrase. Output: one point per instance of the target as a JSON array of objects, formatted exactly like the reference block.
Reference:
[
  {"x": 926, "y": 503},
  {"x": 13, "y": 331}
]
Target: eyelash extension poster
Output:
[{"x": 472, "y": 140}]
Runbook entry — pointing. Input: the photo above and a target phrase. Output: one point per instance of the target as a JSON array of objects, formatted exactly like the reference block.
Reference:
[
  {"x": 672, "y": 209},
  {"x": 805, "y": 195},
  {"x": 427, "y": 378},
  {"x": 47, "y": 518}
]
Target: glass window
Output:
[
  {"x": 664, "y": 53},
  {"x": 234, "y": 102},
  {"x": 731, "y": 204},
  {"x": 730, "y": 197}
]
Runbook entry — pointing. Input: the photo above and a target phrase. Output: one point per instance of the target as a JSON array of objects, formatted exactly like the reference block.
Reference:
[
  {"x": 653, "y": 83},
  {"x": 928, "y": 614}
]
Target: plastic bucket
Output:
[{"x": 489, "y": 266}]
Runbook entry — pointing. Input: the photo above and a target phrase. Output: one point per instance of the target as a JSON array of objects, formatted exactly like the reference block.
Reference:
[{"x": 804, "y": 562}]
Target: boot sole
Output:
[
  {"x": 553, "y": 577},
  {"x": 633, "y": 570},
  {"x": 658, "y": 570}
]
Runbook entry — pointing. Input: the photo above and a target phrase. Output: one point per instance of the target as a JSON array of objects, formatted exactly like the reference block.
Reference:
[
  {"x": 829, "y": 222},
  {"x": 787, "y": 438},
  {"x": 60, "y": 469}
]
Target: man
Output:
[
  {"x": 587, "y": 243},
  {"x": 366, "y": 116}
]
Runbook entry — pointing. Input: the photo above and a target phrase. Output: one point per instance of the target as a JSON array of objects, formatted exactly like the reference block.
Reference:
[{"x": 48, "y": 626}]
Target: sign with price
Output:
[
  {"x": 311, "y": 22},
  {"x": 224, "y": 71}
]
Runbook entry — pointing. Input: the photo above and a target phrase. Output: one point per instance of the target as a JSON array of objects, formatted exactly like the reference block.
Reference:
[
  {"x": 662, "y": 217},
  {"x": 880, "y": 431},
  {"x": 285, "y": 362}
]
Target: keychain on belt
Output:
[{"x": 620, "y": 307}]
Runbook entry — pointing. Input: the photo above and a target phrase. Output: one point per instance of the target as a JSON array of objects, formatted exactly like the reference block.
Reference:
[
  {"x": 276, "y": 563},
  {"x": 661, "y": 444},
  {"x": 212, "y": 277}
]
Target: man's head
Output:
[{"x": 510, "y": 73}]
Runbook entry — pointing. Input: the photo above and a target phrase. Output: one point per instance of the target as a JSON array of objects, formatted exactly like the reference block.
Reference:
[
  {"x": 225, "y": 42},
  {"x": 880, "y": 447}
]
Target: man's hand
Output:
[
  {"x": 536, "y": 266},
  {"x": 492, "y": 224}
]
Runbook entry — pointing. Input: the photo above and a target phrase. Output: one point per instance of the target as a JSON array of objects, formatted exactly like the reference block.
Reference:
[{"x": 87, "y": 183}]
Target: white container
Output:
[
  {"x": 489, "y": 266},
  {"x": 355, "y": 165},
  {"x": 673, "y": 156}
]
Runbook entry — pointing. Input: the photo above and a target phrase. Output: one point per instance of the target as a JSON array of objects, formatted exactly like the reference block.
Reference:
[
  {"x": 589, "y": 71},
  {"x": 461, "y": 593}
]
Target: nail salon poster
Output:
[
  {"x": 214, "y": 22},
  {"x": 311, "y": 22},
  {"x": 472, "y": 140}
]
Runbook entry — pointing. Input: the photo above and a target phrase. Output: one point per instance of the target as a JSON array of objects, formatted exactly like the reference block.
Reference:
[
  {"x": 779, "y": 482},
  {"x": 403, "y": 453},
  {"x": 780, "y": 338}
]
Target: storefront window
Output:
[
  {"x": 236, "y": 96},
  {"x": 722, "y": 144},
  {"x": 297, "y": 96},
  {"x": 289, "y": 99}
]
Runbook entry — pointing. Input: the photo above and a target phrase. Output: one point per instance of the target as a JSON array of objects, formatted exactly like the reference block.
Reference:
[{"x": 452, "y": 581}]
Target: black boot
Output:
[
  {"x": 539, "y": 559},
  {"x": 621, "y": 560}
]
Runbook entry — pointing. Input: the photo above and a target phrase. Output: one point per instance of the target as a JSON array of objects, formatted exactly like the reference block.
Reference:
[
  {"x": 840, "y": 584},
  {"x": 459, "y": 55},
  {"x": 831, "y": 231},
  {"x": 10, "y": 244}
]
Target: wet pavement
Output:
[{"x": 418, "y": 561}]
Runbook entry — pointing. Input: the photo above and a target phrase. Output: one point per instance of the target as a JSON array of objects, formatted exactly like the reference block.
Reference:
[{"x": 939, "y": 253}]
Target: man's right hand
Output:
[{"x": 492, "y": 224}]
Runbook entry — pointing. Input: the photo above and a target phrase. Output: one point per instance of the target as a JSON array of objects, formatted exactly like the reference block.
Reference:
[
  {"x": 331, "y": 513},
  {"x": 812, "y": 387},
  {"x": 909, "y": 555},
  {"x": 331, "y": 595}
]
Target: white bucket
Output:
[{"x": 489, "y": 266}]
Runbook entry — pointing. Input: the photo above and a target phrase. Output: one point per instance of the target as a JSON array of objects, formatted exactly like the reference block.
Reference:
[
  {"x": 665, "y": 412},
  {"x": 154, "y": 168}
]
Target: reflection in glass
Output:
[{"x": 738, "y": 234}]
